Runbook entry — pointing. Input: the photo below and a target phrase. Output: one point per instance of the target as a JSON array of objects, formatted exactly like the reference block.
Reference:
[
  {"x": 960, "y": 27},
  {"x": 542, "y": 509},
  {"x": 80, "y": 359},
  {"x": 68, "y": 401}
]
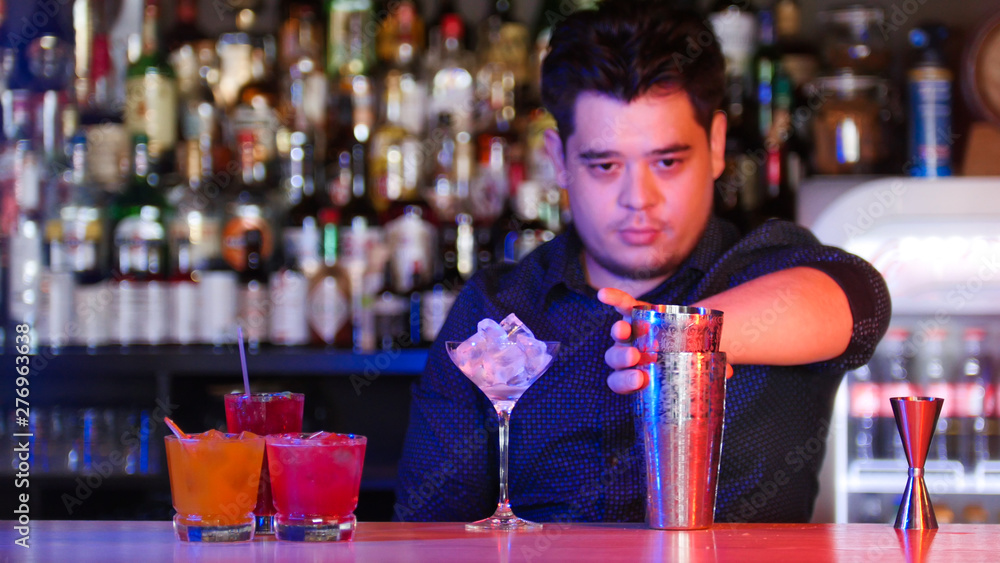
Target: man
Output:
[{"x": 636, "y": 89}]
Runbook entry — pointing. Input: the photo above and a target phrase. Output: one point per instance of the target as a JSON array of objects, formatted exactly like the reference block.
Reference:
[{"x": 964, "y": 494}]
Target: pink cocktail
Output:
[
  {"x": 263, "y": 414},
  {"x": 315, "y": 480}
]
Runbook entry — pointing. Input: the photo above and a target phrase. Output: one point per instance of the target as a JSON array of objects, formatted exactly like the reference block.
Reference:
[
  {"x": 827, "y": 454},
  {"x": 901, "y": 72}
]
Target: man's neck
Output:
[{"x": 599, "y": 277}]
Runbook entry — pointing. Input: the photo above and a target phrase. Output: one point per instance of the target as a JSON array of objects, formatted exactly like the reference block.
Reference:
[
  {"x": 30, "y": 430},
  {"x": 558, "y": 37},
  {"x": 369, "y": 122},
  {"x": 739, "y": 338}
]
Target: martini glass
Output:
[{"x": 503, "y": 396}]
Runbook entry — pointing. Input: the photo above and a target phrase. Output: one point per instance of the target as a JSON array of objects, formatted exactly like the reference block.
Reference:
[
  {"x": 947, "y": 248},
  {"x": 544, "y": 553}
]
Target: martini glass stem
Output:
[{"x": 503, "y": 505}]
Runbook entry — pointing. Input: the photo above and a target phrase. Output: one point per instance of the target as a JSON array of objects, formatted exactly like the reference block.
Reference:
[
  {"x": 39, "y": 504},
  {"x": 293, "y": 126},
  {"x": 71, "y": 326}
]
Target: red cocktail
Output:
[
  {"x": 262, "y": 414},
  {"x": 316, "y": 481}
]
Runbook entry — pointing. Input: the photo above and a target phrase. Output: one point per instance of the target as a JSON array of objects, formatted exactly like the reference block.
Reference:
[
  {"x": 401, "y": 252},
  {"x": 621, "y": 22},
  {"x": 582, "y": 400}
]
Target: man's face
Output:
[{"x": 639, "y": 177}]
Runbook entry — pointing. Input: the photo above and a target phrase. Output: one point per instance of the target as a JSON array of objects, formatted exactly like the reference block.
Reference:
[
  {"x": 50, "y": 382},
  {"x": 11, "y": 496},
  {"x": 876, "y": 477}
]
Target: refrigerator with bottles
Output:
[{"x": 937, "y": 243}]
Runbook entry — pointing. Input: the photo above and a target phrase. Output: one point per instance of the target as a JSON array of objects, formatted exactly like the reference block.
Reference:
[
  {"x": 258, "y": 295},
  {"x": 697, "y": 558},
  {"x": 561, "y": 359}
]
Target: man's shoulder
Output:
[{"x": 534, "y": 274}]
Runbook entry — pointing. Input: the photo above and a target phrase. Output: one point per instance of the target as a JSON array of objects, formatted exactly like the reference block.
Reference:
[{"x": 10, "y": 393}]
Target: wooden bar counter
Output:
[{"x": 149, "y": 542}]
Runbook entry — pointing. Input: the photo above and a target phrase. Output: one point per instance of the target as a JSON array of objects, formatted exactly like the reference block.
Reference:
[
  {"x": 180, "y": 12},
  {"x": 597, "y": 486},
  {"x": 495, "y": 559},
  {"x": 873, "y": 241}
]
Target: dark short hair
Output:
[{"x": 629, "y": 48}]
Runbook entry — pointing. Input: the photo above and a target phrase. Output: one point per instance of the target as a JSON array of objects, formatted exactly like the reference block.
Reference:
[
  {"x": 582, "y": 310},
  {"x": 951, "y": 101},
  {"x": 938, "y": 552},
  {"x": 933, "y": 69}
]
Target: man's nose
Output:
[{"x": 640, "y": 190}]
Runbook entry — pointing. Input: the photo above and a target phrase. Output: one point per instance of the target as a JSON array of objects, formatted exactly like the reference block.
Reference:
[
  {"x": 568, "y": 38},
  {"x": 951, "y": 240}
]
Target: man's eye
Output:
[
  {"x": 603, "y": 166},
  {"x": 667, "y": 163}
]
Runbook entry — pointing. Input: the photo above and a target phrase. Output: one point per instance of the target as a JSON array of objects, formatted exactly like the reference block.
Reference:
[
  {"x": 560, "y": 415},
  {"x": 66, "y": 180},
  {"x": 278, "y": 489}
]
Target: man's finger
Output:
[
  {"x": 621, "y": 357},
  {"x": 627, "y": 381},
  {"x": 618, "y": 299},
  {"x": 729, "y": 370},
  {"x": 621, "y": 331}
]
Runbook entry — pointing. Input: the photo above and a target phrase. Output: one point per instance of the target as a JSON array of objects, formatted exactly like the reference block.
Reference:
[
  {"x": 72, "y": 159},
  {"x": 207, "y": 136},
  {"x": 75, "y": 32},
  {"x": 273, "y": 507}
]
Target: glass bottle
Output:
[
  {"x": 782, "y": 168},
  {"x": 895, "y": 380},
  {"x": 94, "y": 86},
  {"x": 400, "y": 48},
  {"x": 976, "y": 401},
  {"x": 864, "y": 412},
  {"x": 304, "y": 83},
  {"x": 301, "y": 235},
  {"x": 350, "y": 38},
  {"x": 250, "y": 207},
  {"x": 139, "y": 255},
  {"x": 256, "y": 113},
  {"x": 736, "y": 191},
  {"x": 935, "y": 380},
  {"x": 22, "y": 232},
  {"x": 195, "y": 231},
  {"x": 450, "y": 166},
  {"x": 77, "y": 238},
  {"x": 151, "y": 95},
  {"x": 396, "y": 164},
  {"x": 253, "y": 308},
  {"x": 359, "y": 241},
  {"x": 504, "y": 40},
  {"x": 456, "y": 266},
  {"x": 329, "y": 312},
  {"x": 452, "y": 86}
]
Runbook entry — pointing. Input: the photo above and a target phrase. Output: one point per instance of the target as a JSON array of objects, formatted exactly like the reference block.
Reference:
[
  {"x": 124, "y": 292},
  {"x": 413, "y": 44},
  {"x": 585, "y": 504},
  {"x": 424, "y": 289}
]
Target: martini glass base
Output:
[{"x": 502, "y": 522}]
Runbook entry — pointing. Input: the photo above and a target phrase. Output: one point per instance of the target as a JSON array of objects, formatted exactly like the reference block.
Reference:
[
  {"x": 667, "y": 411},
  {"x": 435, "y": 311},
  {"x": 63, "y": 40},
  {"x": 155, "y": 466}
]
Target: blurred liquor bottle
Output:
[
  {"x": 896, "y": 379},
  {"x": 359, "y": 232},
  {"x": 251, "y": 206},
  {"x": 449, "y": 169},
  {"x": 76, "y": 239},
  {"x": 253, "y": 306},
  {"x": 301, "y": 235},
  {"x": 935, "y": 380},
  {"x": 151, "y": 96},
  {"x": 782, "y": 168},
  {"x": 350, "y": 47},
  {"x": 195, "y": 240},
  {"x": 20, "y": 170},
  {"x": 396, "y": 160},
  {"x": 139, "y": 255},
  {"x": 411, "y": 241},
  {"x": 330, "y": 292},
  {"x": 302, "y": 103},
  {"x": 503, "y": 40},
  {"x": 456, "y": 265},
  {"x": 195, "y": 61},
  {"x": 736, "y": 190},
  {"x": 400, "y": 47},
  {"x": 532, "y": 227},
  {"x": 864, "y": 410},
  {"x": 255, "y": 117},
  {"x": 452, "y": 89},
  {"x": 976, "y": 401},
  {"x": 94, "y": 87}
]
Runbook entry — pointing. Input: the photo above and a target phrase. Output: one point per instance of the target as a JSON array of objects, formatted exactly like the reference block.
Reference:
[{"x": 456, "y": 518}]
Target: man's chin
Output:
[{"x": 637, "y": 265}]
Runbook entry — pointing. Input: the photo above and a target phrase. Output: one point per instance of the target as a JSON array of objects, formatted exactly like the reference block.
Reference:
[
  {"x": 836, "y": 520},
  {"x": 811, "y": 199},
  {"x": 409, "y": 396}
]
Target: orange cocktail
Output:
[{"x": 213, "y": 484}]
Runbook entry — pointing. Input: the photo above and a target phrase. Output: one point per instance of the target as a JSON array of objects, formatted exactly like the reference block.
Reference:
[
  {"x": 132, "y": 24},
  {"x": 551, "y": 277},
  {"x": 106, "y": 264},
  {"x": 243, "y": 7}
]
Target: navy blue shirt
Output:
[{"x": 574, "y": 452}]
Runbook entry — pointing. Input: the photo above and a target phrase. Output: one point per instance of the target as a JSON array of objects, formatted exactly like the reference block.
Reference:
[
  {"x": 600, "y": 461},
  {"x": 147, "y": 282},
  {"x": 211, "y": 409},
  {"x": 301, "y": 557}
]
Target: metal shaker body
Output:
[{"x": 680, "y": 414}]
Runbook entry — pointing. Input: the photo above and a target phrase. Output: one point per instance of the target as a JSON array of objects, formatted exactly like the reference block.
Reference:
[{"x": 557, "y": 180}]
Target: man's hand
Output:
[{"x": 622, "y": 356}]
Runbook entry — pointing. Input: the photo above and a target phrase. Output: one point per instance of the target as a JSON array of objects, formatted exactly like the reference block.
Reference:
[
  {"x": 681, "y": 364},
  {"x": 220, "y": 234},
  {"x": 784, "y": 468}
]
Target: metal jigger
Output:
[{"x": 916, "y": 418}]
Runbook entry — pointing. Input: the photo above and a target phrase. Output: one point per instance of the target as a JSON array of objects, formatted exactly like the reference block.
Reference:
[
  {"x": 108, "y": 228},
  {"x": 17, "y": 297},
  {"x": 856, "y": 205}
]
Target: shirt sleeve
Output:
[
  {"x": 448, "y": 470},
  {"x": 781, "y": 245}
]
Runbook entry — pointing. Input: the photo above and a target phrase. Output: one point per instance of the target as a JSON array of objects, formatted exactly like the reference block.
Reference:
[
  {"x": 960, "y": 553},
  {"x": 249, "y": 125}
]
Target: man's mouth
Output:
[{"x": 638, "y": 236}]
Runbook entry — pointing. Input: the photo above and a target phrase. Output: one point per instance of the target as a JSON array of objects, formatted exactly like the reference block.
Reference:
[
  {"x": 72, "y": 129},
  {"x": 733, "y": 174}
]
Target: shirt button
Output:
[{"x": 614, "y": 461}]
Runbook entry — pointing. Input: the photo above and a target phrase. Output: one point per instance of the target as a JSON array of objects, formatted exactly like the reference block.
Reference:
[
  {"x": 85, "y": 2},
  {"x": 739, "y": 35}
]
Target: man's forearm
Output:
[{"x": 795, "y": 316}]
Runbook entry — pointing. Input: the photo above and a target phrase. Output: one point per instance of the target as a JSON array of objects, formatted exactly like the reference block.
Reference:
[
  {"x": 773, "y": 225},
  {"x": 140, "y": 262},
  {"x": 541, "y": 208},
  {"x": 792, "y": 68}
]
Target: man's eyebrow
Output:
[
  {"x": 601, "y": 155},
  {"x": 598, "y": 155},
  {"x": 669, "y": 150}
]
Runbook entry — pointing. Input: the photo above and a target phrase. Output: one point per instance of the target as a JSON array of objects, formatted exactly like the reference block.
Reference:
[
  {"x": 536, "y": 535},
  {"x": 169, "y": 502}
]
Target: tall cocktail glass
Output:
[
  {"x": 213, "y": 485},
  {"x": 263, "y": 414},
  {"x": 315, "y": 480},
  {"x": 504, "y": 396}
]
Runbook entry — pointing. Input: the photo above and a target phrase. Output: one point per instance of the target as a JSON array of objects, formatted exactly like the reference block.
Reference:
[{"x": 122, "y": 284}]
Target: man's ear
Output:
[
  {"x": 717, "y": 143},
  {"x": 554, "y": 148}
]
